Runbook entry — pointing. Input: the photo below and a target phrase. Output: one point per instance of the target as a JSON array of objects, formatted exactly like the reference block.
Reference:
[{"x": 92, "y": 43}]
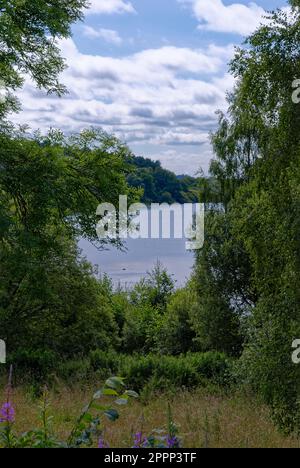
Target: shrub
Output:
[
  {"x": 36, "y": 364},
  {"x": 162, "y": 372},
  {"x": 104, "y": 362},
  {"x": 74, "y": 371},
  {"x": 176, "y": 335},
  {"x": 139, "y": 332},
  {"x": 212, "y": 366}
]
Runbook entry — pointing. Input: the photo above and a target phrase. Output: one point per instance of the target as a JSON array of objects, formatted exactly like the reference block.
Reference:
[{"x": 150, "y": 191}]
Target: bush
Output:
[
  {"x": 163, "y": 372},
  {"x": 150, "y": 371},
  {"x": 212, "y": 366},
  {"x": 104, "y": 362},
  {"x": 75, "y": 371},
  {"x": 141, "y": 329},
  {"x": 36, "y": 364},
  {"x": 176, "y": 335}
]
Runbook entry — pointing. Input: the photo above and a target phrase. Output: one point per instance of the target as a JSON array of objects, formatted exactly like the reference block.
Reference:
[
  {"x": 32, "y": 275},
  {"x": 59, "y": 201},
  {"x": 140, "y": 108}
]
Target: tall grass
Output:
[{"x": 203, "y": 419}]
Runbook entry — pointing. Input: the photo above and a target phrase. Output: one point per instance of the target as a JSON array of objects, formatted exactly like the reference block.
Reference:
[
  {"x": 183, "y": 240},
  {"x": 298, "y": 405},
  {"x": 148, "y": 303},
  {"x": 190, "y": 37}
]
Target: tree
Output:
[
  {"x": 267, "y": 216},
  {"x": 222, "y": 282},
  {"x": 258, "y": 160},
  {"x": 155, "y": 289},
  {"x": 160, "y": 185},
  {"x": 29, "y": 30},
  {"x": 145, "y": 311},
  {"x": 50, "y": 188},
  {"x": 176, "y": 334},
  {"x": 56, "y": 305}
]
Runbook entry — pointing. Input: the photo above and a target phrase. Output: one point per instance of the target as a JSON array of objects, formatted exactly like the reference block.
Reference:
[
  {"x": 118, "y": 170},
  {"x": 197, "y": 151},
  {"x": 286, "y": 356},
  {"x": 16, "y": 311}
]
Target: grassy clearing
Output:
[{"x": 205, "y": 420}]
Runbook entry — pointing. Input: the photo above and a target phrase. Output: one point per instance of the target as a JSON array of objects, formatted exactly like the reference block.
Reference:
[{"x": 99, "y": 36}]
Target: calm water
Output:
[{"x": 128, "y": 268}]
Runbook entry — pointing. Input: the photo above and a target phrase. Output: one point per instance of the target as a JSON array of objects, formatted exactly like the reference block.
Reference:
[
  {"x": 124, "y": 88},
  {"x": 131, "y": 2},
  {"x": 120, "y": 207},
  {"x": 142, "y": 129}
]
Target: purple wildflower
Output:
[
  {"x": 139, "y": 441},
  {"x": 172, "y": 442},
  {"x": 7, "y": 413},
  {"x": 102, "y": 444},
  {"x": 138, "y": 438}
]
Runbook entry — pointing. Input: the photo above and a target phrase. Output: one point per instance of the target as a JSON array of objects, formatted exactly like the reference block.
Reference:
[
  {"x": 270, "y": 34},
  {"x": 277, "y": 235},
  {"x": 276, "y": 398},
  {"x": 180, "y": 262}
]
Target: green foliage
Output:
[
  {"x": 144, "y": 310},
  {"x": 155, "y": 289},
  {"x": 72, "y": 176},
  {"x": 29, "y": 33},
  {"x": 105, "y": 362},
  {"x": 34, "y": 364},
  {"x": 66, "y": 311},
  {"x": 87, "y": 428},
  {"x": 160, "y": 185},
  {"x": 71, "y": 371},
  {"x": 176, "y": 334},
  {"x": 165, "y": 372},
  {"x": 140, "y": 329},
  {"x": 49, "y": 296},
  {"x": 269, "y": 205},
  {"x": 222, "y": 282},
  {"x": 249, "y": 268}
]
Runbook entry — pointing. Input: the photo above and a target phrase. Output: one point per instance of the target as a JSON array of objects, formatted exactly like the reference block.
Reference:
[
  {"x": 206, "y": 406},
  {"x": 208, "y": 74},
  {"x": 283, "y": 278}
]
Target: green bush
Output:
[
  {"x": 176, "y": 334},
  {"x": 212, "y": 366},
  {"x": 37, "y": 364},
  {"x": 104, "y": 362},
  {"x": 74, "y": 371},
  {"x": 163, "y": 372},
  {"x": 140, "y": 372}
]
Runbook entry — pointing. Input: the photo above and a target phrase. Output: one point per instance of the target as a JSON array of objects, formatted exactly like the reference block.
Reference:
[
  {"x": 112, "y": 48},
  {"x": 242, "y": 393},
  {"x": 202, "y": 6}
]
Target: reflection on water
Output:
[{"x": 129, "y": 267}]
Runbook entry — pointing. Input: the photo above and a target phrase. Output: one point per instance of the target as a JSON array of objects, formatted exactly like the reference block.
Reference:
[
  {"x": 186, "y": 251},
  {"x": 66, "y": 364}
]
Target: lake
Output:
[{"x": 127, "y": 268}]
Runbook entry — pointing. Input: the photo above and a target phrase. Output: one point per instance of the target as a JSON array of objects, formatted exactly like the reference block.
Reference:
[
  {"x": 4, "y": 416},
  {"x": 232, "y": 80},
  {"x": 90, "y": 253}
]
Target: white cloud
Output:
[
  {"x": 108, "y": 35},
  {"x": 237, "y": 18},
  {"x": 110, "y": 7},
  {"x": 185, "y": 161},
  {"x": 161, "y": 98}
]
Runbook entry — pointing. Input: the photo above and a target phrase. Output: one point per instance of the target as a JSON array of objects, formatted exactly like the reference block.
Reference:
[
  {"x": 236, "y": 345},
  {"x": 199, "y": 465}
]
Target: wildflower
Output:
[
  {"x": 139, "y": 442},
  {"x": 172, "y": 442},
  {"x": 102, "y": 444},
  {"x": 7, "y": 413}
]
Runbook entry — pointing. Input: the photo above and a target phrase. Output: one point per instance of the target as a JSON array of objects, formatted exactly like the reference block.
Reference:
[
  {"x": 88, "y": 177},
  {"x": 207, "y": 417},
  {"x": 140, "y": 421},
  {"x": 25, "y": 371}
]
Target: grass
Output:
[{"x": 204, "y": 420}]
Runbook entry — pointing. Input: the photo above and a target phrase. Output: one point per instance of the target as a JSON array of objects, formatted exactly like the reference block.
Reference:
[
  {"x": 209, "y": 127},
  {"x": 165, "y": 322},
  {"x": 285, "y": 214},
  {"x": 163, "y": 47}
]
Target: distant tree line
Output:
[{"x": 160, "y": 185}]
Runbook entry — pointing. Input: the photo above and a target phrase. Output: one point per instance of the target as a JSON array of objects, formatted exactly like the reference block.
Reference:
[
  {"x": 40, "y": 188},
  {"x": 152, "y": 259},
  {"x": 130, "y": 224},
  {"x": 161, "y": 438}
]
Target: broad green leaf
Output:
[{"x": 112, "y": 414}]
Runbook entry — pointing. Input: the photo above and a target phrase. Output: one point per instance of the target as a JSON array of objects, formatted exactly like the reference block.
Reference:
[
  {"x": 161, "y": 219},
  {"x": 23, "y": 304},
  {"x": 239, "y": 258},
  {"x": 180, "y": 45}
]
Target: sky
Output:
[{"x": 153, "y": 72}]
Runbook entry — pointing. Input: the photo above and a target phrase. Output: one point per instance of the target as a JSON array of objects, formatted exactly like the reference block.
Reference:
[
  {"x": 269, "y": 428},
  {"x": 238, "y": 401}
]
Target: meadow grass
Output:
[{"x": 204, "y": 419}]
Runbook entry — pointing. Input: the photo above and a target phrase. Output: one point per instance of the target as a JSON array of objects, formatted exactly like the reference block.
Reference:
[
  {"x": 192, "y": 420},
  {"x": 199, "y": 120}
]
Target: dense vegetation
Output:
[
  {"x": 160, "y": 185},
  {"x": 236, "y": 319}
]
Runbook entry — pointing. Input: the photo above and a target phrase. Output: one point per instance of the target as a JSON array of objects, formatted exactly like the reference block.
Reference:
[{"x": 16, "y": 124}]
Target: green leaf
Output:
[
  {"x": 132, "y": 394},
  {"x": 87, "y": 417},
  {"x": 99, "y": 407},
  {"x": 112, "y": 414},
  {"x": 115, "y": 383},
  {"x": 122, "y": 401},
  {"x": 110, "y": 392}
]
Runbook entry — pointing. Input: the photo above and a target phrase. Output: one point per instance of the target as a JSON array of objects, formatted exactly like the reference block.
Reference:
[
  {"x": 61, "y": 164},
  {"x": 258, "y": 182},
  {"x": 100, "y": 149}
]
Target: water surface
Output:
[{"x": 127, "y": 268}]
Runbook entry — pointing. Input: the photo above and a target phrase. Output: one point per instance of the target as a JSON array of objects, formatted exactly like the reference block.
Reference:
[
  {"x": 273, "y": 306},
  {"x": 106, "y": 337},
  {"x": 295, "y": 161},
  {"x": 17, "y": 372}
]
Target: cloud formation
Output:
[
  {"x": 108, "y": 35},
  {"x": 161, "y": 98},
  {"x": 109, "y": 7},
  {"x": 236, "y": 18}
]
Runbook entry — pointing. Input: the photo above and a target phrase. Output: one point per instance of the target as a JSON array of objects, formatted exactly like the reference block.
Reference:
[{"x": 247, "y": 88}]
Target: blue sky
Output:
[{"x": 151, "y": 71}]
